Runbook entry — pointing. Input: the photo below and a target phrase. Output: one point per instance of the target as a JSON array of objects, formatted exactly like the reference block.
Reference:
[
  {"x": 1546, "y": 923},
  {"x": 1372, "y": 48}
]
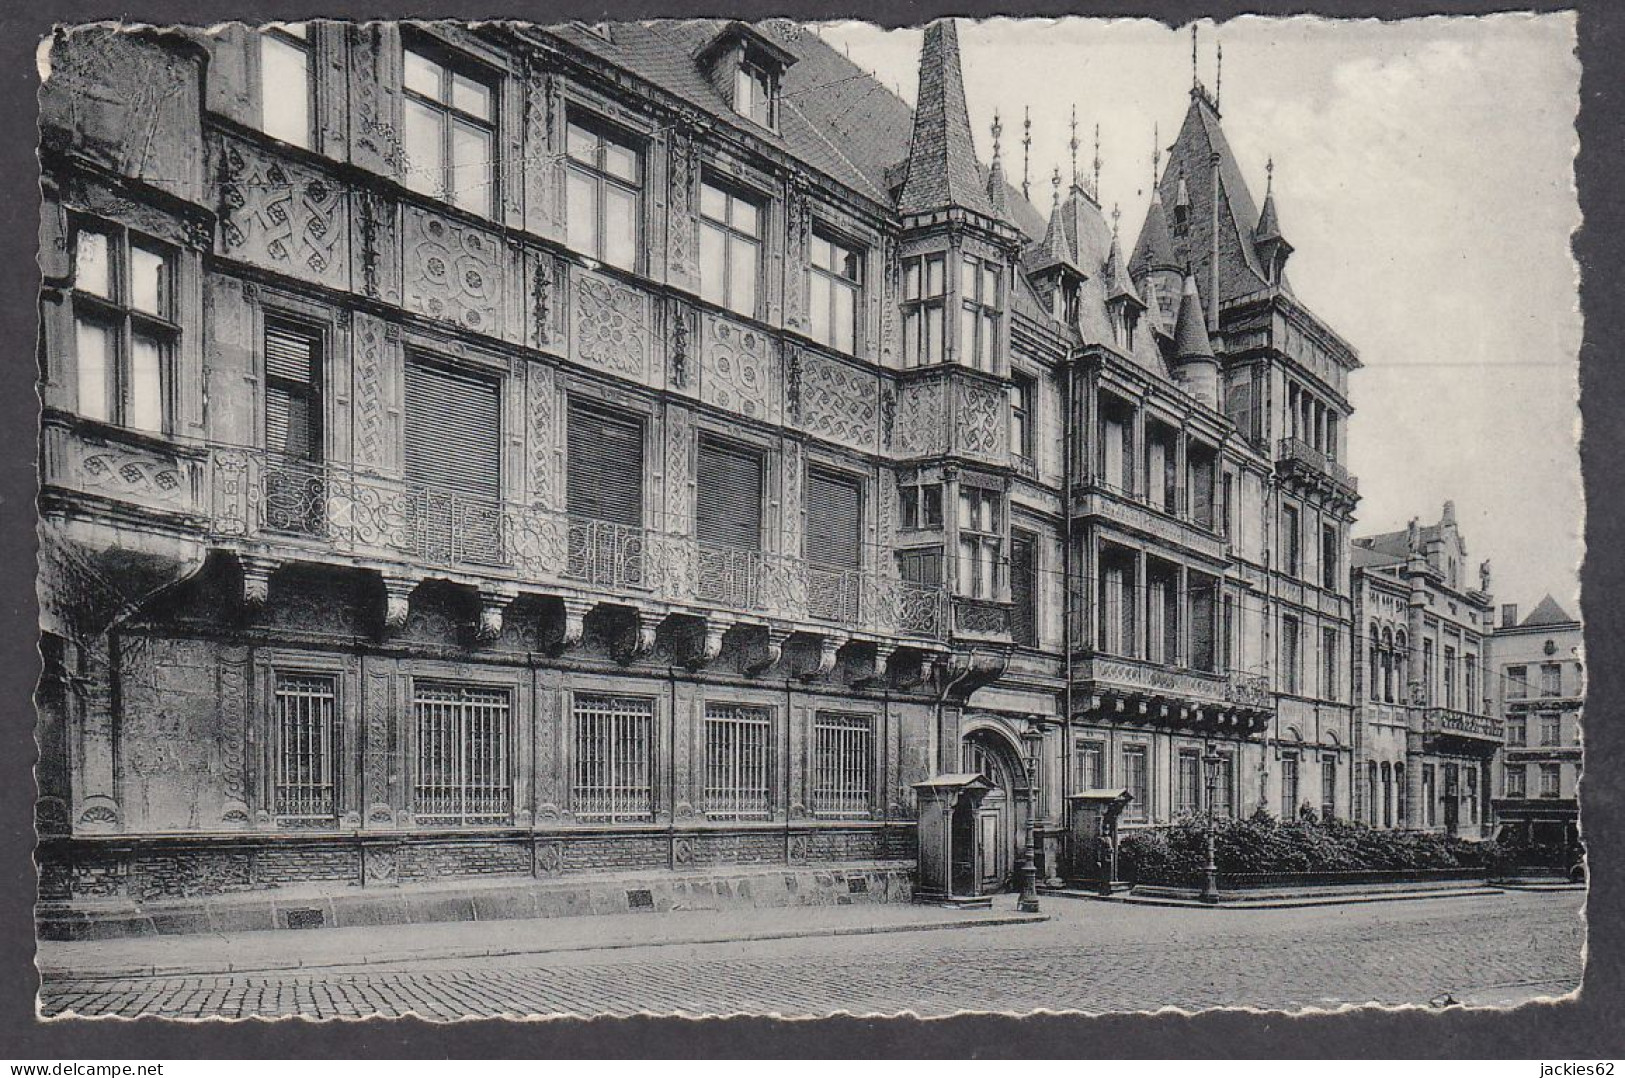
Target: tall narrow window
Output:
[
  {"x": 1024, "y": 589},
  {"x": 604, "y": 496},
  {"x": 924, "y": 286},
  {"x": 1224, "y": 790},
  {"x": 1090, "y": 758},
  {"x": 1427, "y": 672},
  {"x": 1203, "y": 465},
  {"x": 464, "y": 765},
  {"x": 123, "y": 306},
  {"x": 1551, "y": 725},
  {"x": 453, "y": 456},
  {"x": 603, "y": 193},
  {"x": 979, "y": 543},
  {"x": 1328, "y": 789},
  {"x": 1022, "y": 393},
  {"x": 728, "y": 523},
  {"x": 1517, "y": 731},
  {"x": 1291, "y": 660},
  {"x": 1291, "y": 541},
  {"x": 730, "y": 249},
  {"x": 1551, "y": 780},
  {"x": 1469, "y": 668},
  {"x": 1328, "y": 664},
  {"x": 1188, "y": 796},
  {"x": 305, "y": 753},
  {"x": 754, "y": 96},
  {"x": 834, "y": 545},
  {"x": 738, "y": 762},
  {"x": 295, "y": 488},
  {"x": 1137, "y": 781},
  {"x": 1202, "y": 603},
  {"x": 843, "y": 763},
  {"x": 1330, "y": 563},
  {"x": 1551, "y": 679},
  {"x": 1227, "y": 634},
  {"x": 1517, "y": 682},
  {"x": 450, "y": 124},
  {"x": 1291, "y": 796},
  {"x": 979, "y": 291},
  {"x": 1517, "y": 781},
  {"x": 1227, "y": 505},
  {"x": 613, "y": 767},
  {"x": 1430, "y": 798},
  {"x": 836, "y": 292},
  {"x": 287, "y": 89},
  {"x": 1450, "y": 677}
]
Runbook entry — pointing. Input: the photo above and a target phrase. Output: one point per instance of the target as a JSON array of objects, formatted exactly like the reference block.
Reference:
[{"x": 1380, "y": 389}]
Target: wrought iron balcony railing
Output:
[
  {"x": 1452, "y": 722},
  {"x": 1298, "y": 451},
  {"x": 254, "y": 495}
]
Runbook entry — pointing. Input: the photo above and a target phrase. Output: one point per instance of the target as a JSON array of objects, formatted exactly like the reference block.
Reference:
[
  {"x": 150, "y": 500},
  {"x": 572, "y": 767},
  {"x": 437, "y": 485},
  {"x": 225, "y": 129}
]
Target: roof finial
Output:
[
  {"x": 1156, "y": 154},
  {"x": 1269, "y": 176},
  {"x": 1116, "y": 214},
  {"x": 998, "y": 129},
  {"x": 1195, "y": 82},
  {"x": 1073, "y": 145},
  {"x": 1026, "y": 148},
  {"x": 1094, "y": 183},
  {"x": 1218, "y": 79},
  {"x": 1055, "y": 181}
]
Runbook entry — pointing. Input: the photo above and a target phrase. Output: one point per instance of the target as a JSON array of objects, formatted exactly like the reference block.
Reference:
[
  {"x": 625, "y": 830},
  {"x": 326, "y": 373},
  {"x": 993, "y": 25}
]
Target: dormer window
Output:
[
  {"x": 754, "y": 95},
  {"x": 1066, "y": 300}
]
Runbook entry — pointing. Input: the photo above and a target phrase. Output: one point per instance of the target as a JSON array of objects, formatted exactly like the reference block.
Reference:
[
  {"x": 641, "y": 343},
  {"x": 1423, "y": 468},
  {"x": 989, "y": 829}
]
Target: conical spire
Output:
[
  {"x": 1116, "y": 277},
  {"x": 942, "y": 168},
  {"x": 996, "y": 195},
  {"x": 1190, "y": 333},
  {"x": 1269, "y": 226},
  {"x": 1054, "y": 250},
  {"x": 1155, "y": 248}
]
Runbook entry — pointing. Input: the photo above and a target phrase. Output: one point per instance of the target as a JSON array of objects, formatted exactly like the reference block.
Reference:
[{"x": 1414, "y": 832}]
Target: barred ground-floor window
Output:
[
  {"x": 613, "y": 768},
  {"x": 306, "y": 751},
  {"x": 843, "y": 764},
  {"x": 738, "y": 762},
  {"x": 464, "y": 753}
]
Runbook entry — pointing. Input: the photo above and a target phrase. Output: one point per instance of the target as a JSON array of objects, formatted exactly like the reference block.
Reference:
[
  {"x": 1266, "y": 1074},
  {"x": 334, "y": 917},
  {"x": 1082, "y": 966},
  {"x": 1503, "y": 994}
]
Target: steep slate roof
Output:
[
  {"x": 942, "y": 167},
  {"x": 1190, "y": 332},
  {"x": 1154, "y": 250},
  {"x": 1547, "y": 612},
  {"x": 1269, "y": 225}
]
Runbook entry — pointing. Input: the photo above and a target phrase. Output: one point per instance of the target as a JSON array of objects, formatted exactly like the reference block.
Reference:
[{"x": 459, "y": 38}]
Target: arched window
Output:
[
  {"x": 1401, "y": 667},
  {"x": 1371, "y": 793},
  {"x": 1387, "y": 666},
  {"x": 1399, "y": 794},
  {"x": 1387, "y": 795},
  {"x": 1372, "y": 688}
]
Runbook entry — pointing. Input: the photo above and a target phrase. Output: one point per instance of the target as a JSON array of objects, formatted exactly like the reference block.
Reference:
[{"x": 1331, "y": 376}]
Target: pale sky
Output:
[{"x": 1424, "y": 174}]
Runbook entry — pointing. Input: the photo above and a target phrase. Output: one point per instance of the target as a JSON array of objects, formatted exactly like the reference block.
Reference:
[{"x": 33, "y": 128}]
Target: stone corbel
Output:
[
  {"x": 398, "y": 601},
  {"x": 771, "y": 651},
  {"x": 256, "y": 578},
  {"x": 639, "y": 642},
  {"x": 877, "y": 669},
  {"x": 575, "y": 621},
  {"x": 828, "y": 645},
  {"x": 711, "y": 647},
  {"x": 493, "y": 603}
]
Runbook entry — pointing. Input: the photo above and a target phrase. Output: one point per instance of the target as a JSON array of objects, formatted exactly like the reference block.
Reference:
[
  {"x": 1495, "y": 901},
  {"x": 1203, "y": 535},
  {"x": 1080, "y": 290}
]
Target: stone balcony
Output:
[
  {"x": 1135, "y": 690},
  {"x": 284, "y": 510},
  {"x": 1134, "y": 513},
  {"x": 1297, "y": 459},
  {"x": 1451, "y": 729}
]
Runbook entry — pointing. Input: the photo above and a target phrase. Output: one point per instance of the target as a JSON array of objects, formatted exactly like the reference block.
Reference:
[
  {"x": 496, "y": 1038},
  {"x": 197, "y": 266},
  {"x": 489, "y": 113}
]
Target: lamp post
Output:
[
  {"x": 1027, "y": 867},
  {"x": 1210, "y": 871}
]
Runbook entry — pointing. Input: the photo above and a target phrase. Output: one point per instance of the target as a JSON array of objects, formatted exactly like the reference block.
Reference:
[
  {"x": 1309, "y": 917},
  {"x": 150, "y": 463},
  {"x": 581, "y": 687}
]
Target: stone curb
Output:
[
  {"x": 1279, "y": 903},
  {"x": 100, "y": 973}
]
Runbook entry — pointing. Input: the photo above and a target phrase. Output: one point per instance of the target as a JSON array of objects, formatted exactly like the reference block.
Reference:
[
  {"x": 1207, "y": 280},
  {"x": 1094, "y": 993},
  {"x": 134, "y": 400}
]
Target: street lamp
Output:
[
  {"x": 1210, "y": 871},
  {"x": 1027, "y": 867}
]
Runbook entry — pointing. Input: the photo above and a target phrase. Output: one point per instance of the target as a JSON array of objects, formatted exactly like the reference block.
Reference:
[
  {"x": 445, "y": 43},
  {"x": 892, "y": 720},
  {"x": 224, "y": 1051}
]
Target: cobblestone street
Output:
[{"x": 1090, "y": 956}]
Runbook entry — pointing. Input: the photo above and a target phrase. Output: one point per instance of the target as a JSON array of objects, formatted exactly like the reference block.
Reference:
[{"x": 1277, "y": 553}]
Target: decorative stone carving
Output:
[
  {"x": 398, "y": 601},
  {"x": 838, "y": 402},
  {"x": 981, "y": 422},
  {"x": 877, "y": 671},
  {"x": 379, "y": 864},
  {"x": 575, "y": 622},
  {"x": 888, "y": 414},
  {"x": 256, "y": 578},
  {"x": 682, "y": 238},
  {"x": 679, "y": 471},
  {"x": 828, "y": 645},
  {"x": 541, "y": 421},
  {"x": 711, "y": 646},
  {"x": 281, "y": 215},
  {"x": 611, "y": 325},
  {"x": 922, "y": 419},
  {"x": 792, "y": 479},
  {"x": 769, "y": 653},
  {"x": 541, "y": 168},
  {"x": 643, "y": 629},
  {"x": 126, "y": 473},
  {"x": 492, "y": 605},
  {"x": 452, "y": 271},
  {"x": 543, "y": 287},
  {"x": 680, "y": 331},
  {"x": 682, "y": 851},
  {"x": 372, "y": 91},
  {"x": 797, "y": 237},
  {"x": 549, "y": 858},
  {"x": 797, "y": 851},
  {"x": 736, "y": 372}
]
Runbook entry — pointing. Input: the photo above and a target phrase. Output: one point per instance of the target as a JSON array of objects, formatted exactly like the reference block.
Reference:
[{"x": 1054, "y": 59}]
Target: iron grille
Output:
[
  {"x": 614, "y": 759},
  {"x": 462, "y": 754},
  {"x": 605, "y": 554},
  {"x": 729, "y": 577},
  {"x": 835, "y": 595},
  {"x": 843, "y": 752},
  {"x": 738, "y": 762},
  {"x": 306, "y": 786}
]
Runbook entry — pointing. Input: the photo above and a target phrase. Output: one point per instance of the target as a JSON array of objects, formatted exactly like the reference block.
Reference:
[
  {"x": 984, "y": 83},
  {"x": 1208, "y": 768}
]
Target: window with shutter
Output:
[
  {"x": 453, "y": 456},
  {"x": 728, "y": 524},
  {"x": 1024, "y": 616},
  {"x": 604, "y": 496},
  {"x": 295, "y": 495},
  {"x": 834, "y": 538}
]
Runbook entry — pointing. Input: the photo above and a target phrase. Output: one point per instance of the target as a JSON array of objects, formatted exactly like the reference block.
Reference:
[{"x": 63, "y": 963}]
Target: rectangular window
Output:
[
  {"x": 463, "y": 773},
  {"x": 453, "y": 457},
  {"x": 1550, "y": 731},
  {"x": 1137, "y": 781},
  {"x": 1227, "y": 505},
  {"x": 925, "y": 286},
  {"x": 306, "y": 754},
  {"x": 728, "y": 504},
  {"x": 295, "y": 487},
  {"x": 1517, "y": 731},
  {"x": 1024, "y": 589},
  {"x": 1291, "y": 681},
  {"x": 286, "y": 85},
  {"x": 1449, "y": 676},
  {"x": 1022, "y": 395},
  {"x": 753, "y": 95},
  {"x": 604, "y": 496},
  {"x": 1202, "y": 464},
  {"x": 730, "y": 249},
  {"x": 1328, "y": 664},
  {"x": 450, "y": 123},
  {"x": 603, "y": 193},
  {"x": 1291, "y": 795},
  {"x": 1517, "y": 780},
  {"x": 843, "y": 761},
  {"x": 837, "y": 292},
  {"x": 921, "y": 506},
  {"x": 613, "y": 766},
  {"x": 1090, "y": 759},
  {"x": 1470, "y": 671},
  {"x": 834, "y": 545},
  {"x": 1188, "y": 794},
  {"x": 1203, "y": 606},
  {"x": 1517, "y": 682},
  {"x": 920, "y": 566},
  {"x": 1472, "y": 794},
  {"x": 1429, "y": 795},
  {"x": 738, "y": 762},
  {"x": 979, "y": 290},
  {"x": 979, "y": 544},
  {"x": 1427, "y": 672},
  {"x": 1330, "y": 563},
  {"x": 1291, "y": 541},
  {"x": 1224, "y": 790},
  {"x": 123, "y": 305},
  {"x": 1551, "y": 679},
  {"x": 1551, "y": 779},
  {"x": 1328, "y": 790},
  {"x": 1227, "y": 633}
]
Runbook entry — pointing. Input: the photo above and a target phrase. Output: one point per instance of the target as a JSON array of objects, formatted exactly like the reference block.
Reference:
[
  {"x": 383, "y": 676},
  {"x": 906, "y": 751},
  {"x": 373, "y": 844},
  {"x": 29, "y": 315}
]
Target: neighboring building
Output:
[
  {"x": 1540, "y": 692},
  {"x": 520, "y": 452},
  {"x": 1427, "y": 729}
]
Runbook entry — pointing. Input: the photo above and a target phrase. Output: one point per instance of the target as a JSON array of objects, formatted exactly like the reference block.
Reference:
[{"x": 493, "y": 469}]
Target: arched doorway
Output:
[{"x": 998, "y": 835}]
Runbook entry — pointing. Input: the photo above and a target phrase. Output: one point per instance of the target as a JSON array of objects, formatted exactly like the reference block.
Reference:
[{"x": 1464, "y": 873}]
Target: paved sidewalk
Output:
[{"x": 286, "y": 949}]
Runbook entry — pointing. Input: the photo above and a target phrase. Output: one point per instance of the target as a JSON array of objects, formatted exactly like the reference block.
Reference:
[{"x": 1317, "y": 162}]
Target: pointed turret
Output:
[
  {"x": 942, "y": 169},
  {"x": 1195, "y": 366},
  {"x": 1273, "y": 247},
  {"x": 1155, "y": 268},
  {"x": 996, "y": 186}
]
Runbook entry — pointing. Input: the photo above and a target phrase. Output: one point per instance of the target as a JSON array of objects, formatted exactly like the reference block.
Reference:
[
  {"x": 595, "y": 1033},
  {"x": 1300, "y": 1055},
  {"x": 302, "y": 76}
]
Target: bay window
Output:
[
  {"x": 924, "y": 287},
  {"x": 124, "y": 329},
  {"x": 978, "y": 542},
  {"x": 979, "y": 282}
]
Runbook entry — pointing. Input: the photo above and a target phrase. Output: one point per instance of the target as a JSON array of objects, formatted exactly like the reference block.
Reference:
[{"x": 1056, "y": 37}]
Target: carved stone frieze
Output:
[
  {"x": 452, "y": 271},
  {"x": 838, "y": 402},
  {"x": 737, "y": 368},
  {"x": 611, "y": 325},
  {"x": 922, "y": 419},
  {"x": 281, "y": 215},
  {"x": 541, "y": 428},
  {"x": 980, "y": 423}
]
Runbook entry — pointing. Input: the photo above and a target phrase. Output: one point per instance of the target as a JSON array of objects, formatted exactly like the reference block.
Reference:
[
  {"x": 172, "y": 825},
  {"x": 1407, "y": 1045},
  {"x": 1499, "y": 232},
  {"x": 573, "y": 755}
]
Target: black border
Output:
[{"x": 1593, "y": 1027}]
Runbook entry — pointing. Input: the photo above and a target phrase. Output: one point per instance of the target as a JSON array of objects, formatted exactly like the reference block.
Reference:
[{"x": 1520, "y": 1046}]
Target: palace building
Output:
[{"x": 497, "y": 470}]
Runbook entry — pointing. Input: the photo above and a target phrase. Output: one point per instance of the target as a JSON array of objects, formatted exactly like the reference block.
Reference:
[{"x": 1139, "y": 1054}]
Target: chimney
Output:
[{"x": 1509, "y": 615}]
